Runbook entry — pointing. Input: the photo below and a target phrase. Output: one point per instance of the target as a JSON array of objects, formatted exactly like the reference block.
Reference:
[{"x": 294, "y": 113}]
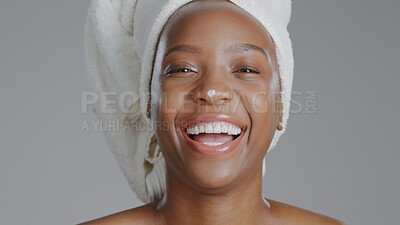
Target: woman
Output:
[{"x": 217, "y": 106}]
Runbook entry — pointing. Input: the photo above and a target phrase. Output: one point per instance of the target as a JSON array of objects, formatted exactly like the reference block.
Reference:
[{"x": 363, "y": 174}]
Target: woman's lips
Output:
[
  {"x": 212, "y": 150},
  {"x": 213, "y": 134}
]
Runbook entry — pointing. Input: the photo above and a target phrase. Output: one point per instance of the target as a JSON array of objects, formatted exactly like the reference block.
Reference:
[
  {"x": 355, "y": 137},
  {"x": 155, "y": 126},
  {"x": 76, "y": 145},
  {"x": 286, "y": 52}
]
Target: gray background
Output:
[{"x": 340, "y": 161}]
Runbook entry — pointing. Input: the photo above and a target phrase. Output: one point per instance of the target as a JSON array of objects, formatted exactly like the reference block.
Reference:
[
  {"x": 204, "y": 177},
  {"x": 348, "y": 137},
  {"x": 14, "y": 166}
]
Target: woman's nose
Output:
[{"x": 213, "y": 89}]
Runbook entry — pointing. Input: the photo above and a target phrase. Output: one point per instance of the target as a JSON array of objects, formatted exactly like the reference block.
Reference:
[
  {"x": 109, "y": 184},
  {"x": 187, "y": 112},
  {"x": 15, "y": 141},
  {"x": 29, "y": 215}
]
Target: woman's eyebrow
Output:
[
  {"x": 247, "y": 47},
  {"x": 232, "y": 49},
  {"x": 183, "y": 48}
]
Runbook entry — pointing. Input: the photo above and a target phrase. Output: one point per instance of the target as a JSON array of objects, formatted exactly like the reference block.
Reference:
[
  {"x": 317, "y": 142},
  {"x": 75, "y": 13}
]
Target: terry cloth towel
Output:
[{"x": 120, "y": 42}]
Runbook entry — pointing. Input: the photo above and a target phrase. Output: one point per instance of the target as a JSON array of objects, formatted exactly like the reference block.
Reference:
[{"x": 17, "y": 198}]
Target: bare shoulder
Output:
[
  {"x": 288, "y": 214},
  {"x": 137, "y": 216}
]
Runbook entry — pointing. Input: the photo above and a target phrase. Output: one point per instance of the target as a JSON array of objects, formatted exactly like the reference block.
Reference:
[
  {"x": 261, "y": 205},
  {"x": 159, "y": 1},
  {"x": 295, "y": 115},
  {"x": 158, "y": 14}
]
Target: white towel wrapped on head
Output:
[{"x": 120, "y": 42}]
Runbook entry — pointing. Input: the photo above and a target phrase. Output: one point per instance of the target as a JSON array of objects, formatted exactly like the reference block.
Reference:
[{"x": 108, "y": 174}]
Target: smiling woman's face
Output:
[{"x": 218, "y": 77}]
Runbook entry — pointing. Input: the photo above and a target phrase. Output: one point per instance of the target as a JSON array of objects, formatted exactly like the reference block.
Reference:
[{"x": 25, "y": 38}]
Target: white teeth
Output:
[
  {"x": 214, "y": 127},
  {"x": 209, "y": 128},
  {"x": 224, "y": 129},
  {"x": 201, "y": 128},
  {"x": 231, "y": 129},
  {"x": 217, "y": 128},
  {"x": 213, "y": 143}
]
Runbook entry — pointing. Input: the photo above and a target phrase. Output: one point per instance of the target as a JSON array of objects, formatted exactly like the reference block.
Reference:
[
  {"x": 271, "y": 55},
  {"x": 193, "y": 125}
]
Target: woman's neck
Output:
[{"x": 239, "y": 203}]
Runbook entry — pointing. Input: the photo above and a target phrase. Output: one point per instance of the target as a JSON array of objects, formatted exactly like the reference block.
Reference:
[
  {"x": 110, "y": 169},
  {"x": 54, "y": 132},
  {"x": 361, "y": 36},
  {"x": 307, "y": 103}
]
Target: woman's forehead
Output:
[
  {"x": 216, "y": 25},
  {"x": 212, "y": 12}
]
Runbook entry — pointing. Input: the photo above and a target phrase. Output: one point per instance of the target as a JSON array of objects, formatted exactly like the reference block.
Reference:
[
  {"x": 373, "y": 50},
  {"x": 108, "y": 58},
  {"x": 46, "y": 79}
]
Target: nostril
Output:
[{"x": 202, "y": 100}]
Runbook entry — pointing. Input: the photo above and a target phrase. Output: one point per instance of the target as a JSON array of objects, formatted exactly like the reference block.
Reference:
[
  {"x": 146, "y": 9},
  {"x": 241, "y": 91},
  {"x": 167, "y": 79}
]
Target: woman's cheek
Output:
[
  {"x": 170, "y": 101},
  {"x": 260, "y": 103},
  {"x": 256, "y": 99}
]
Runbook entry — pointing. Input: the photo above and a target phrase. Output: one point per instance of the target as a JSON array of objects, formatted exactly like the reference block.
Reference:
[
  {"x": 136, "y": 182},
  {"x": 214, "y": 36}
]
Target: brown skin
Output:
[{"x": 226, "y": 189}]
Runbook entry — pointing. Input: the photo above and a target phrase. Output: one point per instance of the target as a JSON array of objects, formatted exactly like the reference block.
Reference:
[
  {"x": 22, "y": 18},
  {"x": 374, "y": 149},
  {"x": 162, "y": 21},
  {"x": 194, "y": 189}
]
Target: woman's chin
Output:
[{"x": 210, "y": 176}]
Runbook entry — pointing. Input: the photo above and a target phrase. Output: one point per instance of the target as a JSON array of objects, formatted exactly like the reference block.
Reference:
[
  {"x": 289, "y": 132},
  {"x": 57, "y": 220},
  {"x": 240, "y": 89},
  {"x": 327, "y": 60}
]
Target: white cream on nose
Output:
[{"x": 211, "y": 93}]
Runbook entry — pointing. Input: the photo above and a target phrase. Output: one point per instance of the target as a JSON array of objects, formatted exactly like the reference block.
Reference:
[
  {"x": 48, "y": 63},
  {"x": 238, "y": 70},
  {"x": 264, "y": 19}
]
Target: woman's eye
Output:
[
  {"x": 247, "y": 73},
  {"x": 179, "y": 70},
  {"x": 247, "y": 70}
]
